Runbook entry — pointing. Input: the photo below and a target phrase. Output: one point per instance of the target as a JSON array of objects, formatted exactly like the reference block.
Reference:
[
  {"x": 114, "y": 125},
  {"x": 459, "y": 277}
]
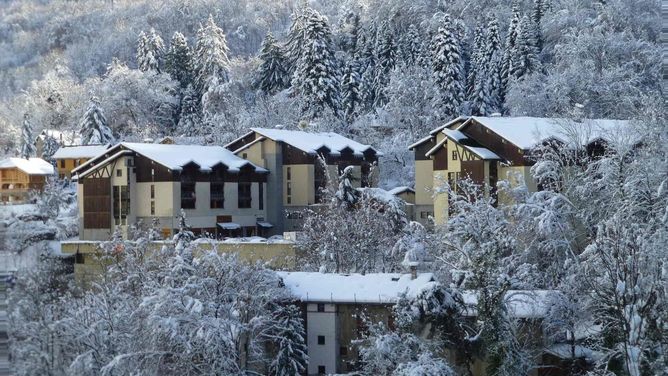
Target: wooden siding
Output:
[
  {"x": 441, "y": 159},
  {"x": 143, "y": 168},
  {"x": 242, "y": 141},
  {"x": 495, "y": 143},
  {"x": 421, "y": 150},
  {"x": 475, "y": 170},
  {"x": 97, "y": 203}
]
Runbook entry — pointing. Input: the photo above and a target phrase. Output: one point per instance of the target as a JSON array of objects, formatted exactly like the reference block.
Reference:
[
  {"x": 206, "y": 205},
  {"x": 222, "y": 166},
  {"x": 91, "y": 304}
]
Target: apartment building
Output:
[
  {"x": 19, "y": 176},
  {"x": 296, "y": 173},
  {"x": 490, "y": 149},
  {"x": 70, "y": 157},
  {"x": 222, "y": 195}
]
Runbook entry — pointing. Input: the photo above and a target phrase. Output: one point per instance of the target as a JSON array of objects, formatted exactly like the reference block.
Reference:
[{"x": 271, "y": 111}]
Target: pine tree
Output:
[
  {"x": 484, "y": 96},
  {"x": 538, "y": 11},
  {"x": 289, "y": 336},
  {"x": 178, "y": 61},
  {"x": 511, "y": 40},
  {"x": 272, "y": 75},
  {"x": 27, "y": 139},
  {"x": 411, "y": 46},
  {"x": 295, "y": 43},
  {"x": 448, "y": 69},
  {"x": 189, "y": 116},
  {"x": 476, "y": 60},
  {"x": 386, "y": 59},
  {"x": 150, "y": 49},
  {"x": 525, "y": 57},
  {"x": 184, "y": 236},
  {"x": 50, "y": 147},
  {"x": 352, "y": 89},
  {"x": 93, "y": 125},
  {"x": 212, "y": 64},
  {"x": 316, "y": 78}
]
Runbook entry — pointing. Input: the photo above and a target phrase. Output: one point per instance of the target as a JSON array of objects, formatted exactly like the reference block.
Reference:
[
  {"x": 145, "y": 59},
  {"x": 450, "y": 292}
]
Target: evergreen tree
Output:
[
  {"x": 511, "y": 39},
  {"x": 289, "y": 336},
  {"x": 189, "y": 116},
  {"x": 50, "y": 147},
  {"x": 272, "y": 75},
  {"x": 448, "y": 69},
  {"x": 178, "y": 61},
  {"x": 349, "y": 32},
  {"x": 525, "y": 57},
  {"x": 386, "y": 59},
  {"x": 352, "y": 89},
  {"x": 411, "y": 46},
  {"x": 295, "y": 43},
  {"x": 476, "y": 62},
  {"x": 212, "y": 64},
  {"x": 316, "y": 78},
  {"x": 27, "y": 139},
  {"x": 150, "y": 49},
  {"x": 93, "y": 125},
  {"x": 484, "y": 96},
  {"x": 184, "y": 236},
  {"x": 538, "y": 11}
]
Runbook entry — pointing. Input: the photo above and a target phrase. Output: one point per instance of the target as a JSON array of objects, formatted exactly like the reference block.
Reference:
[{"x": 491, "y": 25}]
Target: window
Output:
[
  {"x": 289, "y": 200},
  {"x": 289, "y": 173},
  {"x": 121, "y": 204},
  {"x": 321, "y": 307},
  {"x": 119, "y": 172},
  {"x": 152, "y": 207},
  {"x": 217, "y": 195},
  {"x": 425, "y": 214},
  {"x": 188, "y": 195},
  {"x": 322, "y": 370},
  {"x": 244, "y": 193},
  {"x": 454, "y": 155},
  {"x": 62, "y": 163},
  {"x": 260, "y": 187},
  {"x": 152, "y": 191},
  {"x": 289, "y": 189},
  {"x": 321, "y": 340},
  {"x": 244, "y": 156}
]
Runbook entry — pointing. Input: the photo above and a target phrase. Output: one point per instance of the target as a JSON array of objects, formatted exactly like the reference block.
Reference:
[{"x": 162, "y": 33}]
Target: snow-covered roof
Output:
[
  {"x": 32, "y": 166},
  {"x": 175, "y": 156},
  {"x": 66, "y": 138},
  {"x": 527, "y": 132},
  {"x": 520, "y": 303},
  {"x": 446, "y": 125},
  {"x": 379, "y": 288},
  {"x": 419, "y": 142},
  {"x": 312, "y": 142},
  {"x": 85, "y": 151},
  {"x": 400, "y": 190}
]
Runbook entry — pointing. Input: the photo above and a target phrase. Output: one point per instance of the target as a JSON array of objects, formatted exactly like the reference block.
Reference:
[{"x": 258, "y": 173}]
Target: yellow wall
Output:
[
  {"x": 301, "y": 183},
  {"x": 70, "y": 164},
  {"x": 424, "y": 181}
]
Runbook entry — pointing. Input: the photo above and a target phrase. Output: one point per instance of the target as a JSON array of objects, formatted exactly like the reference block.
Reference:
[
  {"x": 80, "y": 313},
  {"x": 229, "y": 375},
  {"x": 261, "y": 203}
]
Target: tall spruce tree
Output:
[
  {"x": 190, "y": 114},
  {"x": 289, "y": 336},
  {"x": 352, "y": 89},
  {"x": 476, "y": 63},
  {"x": 93, "y": 126},
  {"x": 448, "y": 69},
  {"x": 511, "y": 39},
  {"x": 150, "y": 49},
  {"x": 178, "y": 61},
  {"x": 524, "y": 55},
  {"x": 296, "y": 35},
  {"x": 212, "y": 65},
  {"x": 386, "y": 58},
  {"x": 411, "y": 46},
  {"x": 316, "y": 78},
  {"x": 49, "y": 148},
  {"x": 272, "y": 74},
  {"x": 537, "y": 13},
  {"x": 27, "y": 140},
  {"x": 484, "y": 96}
]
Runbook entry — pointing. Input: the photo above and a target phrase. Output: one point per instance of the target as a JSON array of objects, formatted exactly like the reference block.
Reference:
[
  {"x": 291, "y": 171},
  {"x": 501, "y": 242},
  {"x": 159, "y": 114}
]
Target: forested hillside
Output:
[{"x": 379, "y": 69}]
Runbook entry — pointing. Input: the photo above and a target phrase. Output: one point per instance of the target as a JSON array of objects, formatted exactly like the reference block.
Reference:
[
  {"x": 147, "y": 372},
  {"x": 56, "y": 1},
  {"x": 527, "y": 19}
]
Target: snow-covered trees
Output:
[
  {"x": 27, "y": 139},
  {"x": 351, "y": 91},
  {"x": 485, "y": 73},
  {"x": 157, "y": 311},
  {"x": 150, "y": 50},
  {"x": 448, "y": 68},
  {"x": 316, "y": 76},
  {"x": 93, "y": 125},
  {"x": 272, "y": 73},
  {"x": 179, "y": 61},
  {"x": 212, "y": 64},
  {"x": 524, "y": 55}
]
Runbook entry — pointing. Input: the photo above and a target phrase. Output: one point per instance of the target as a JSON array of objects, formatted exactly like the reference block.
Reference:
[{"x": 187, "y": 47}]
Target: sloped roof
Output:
[
  {"x": 400, "y": 190},
  {"x": 175, "y": 156},
  {"x": 379, "y": 288},
  {"x": 527, "y": 132},
  {"x": 84, "y": 151},
  {"x": 312, "y": 142},
  {"x": 466, "y": 143},
  {"x": 32, "y": 166}
]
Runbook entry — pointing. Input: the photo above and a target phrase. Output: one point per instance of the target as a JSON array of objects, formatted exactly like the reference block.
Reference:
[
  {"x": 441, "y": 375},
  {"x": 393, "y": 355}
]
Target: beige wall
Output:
[
  {"x": 516, "y": 175},
  {"x": 301, "y": 183},
  {"x": 70, "y": 164}
]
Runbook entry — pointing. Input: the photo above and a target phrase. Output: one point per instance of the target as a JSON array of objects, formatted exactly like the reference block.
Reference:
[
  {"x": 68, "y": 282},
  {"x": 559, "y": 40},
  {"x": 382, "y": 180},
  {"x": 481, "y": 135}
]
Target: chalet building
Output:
[
  {"x": 334, "y": 307},
  {"x": 296, "y": 173},
  {"x": 489, "y": 149},
  {"x": 70, "y": 157},
  {"x": 64, "y": 138},
  {"x": 221, "y": 194},
  {"x": 19, "y": 176}
]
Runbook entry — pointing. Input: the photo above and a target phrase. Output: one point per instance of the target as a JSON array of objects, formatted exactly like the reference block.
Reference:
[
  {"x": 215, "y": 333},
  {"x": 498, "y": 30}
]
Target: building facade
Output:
[
  {"x": 70, "y": 157},
  {"x": 221, "y": 194},
  {"x": 297, "y": 173},
  {"x": 20, "y": 176},
  {"x": 489, "y": 149}
]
